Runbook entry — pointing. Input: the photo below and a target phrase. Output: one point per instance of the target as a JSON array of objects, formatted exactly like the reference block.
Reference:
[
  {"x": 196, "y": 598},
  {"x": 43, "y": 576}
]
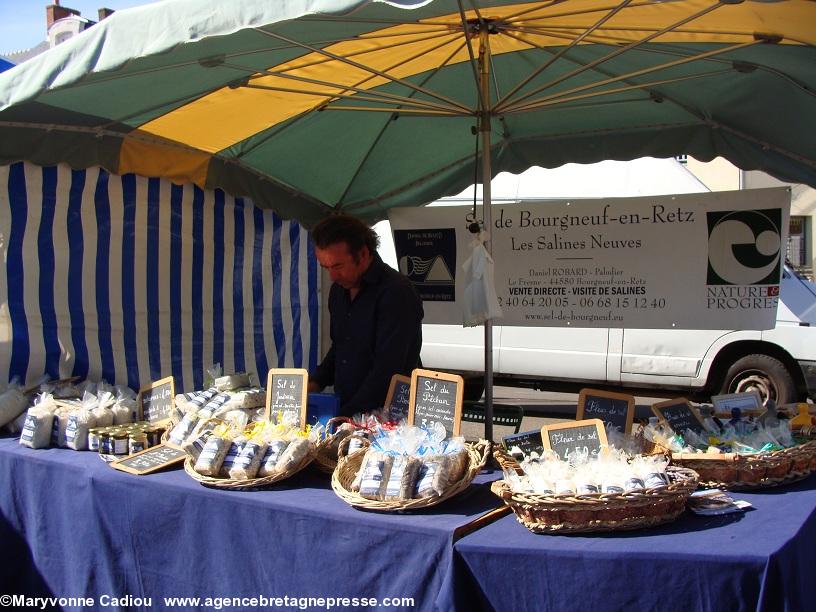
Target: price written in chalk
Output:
[
  {"x": 399, "y": 397},
  {"x": 679, "y": 416},
  {"x": 150, "y": 460},
  {"x": 286, "y": 391},
  {"x": 565, "y": 439},
  {"x": 436, "y": 397},
  {"x": 614, "y": 409},
  {"x": 155, "y": 401}
]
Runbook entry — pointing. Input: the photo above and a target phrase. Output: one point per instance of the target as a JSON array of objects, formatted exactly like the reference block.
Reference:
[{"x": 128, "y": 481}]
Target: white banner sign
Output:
[{"x": 694, "y": 261}]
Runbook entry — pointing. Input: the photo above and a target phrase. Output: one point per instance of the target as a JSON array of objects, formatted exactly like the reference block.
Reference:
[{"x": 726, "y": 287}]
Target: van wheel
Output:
[
  {"x": 474, "y": 389},
  {"x": 762, "y": 373}
]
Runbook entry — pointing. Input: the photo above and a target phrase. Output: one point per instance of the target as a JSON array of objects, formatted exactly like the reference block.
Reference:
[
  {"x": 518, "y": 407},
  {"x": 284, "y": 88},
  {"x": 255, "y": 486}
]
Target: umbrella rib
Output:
[
  {"x": 588, "y": 11},
  {"x": 252, "y": 71},
  {"x": 562, "y": 51},
  {"x": 473, "y": 66},
  {"x": 196, "y": 62},
  {"x": 324, "y": 60},
  {"x": 607, "y": 57},
  {"x": 417, "y": 104},
  {"x": 775, "y": 71},
  {"x": 680, "y": 52},
  {"x": 282, "y": 128},
  {"x": 530, "y": 106},
  {"x": 386, "y": 125},
  {"x": 518, "y": 104},
  {"x": 394, "y": 22},
  {"x": 384, "y": 96},
  {"x": 368, "y": 69}
]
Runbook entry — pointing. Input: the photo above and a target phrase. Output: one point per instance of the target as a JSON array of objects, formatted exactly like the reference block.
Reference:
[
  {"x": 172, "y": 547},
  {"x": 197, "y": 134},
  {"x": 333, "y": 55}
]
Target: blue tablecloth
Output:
[
  {"x": 77, "y": 528},
  {"x": 760, "y": 560}
]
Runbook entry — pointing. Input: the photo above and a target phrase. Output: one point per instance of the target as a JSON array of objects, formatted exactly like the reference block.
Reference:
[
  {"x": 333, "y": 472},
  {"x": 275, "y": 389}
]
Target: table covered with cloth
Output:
[
  {"x": 71, "y": 526},
  {"x": 762, "y": 559}
]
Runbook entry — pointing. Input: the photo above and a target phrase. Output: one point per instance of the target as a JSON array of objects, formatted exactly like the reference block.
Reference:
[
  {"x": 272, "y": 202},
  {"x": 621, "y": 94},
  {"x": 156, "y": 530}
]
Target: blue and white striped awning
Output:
[{"x": 131, "y": 279}]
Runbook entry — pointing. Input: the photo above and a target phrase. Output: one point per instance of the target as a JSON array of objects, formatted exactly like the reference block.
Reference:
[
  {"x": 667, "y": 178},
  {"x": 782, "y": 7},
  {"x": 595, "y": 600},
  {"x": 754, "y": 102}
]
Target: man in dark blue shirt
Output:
[{"x": 376, "y": 317}]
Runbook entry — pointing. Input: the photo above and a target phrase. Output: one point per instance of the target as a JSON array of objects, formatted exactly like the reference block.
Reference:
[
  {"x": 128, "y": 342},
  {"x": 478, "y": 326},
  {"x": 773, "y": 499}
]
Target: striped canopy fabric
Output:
[
  {"x": 130, "y": 279},
  {"x": 314, "y": 106}
]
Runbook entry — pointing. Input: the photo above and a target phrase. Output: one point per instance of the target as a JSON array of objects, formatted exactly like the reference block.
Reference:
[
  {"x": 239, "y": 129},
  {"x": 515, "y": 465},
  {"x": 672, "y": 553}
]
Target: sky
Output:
[{"x": 22, "y": 22}]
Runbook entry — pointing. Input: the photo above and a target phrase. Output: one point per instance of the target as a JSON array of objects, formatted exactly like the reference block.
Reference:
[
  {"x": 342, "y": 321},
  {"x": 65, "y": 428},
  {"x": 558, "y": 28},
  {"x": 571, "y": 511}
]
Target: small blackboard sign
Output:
[
  {"x": 398, "y": 398},
  {"x": 436, "y": 397},
  {"x": 150, "y": 460},
  {"x": 155, "y": 401},
  {"x": 527, "y": 441},
  {"x": 566, "y": 438},
  {"x": 286, "y": 391},
  {"x": 679, "y": 415},
  {"x": 616, "y": 409}
]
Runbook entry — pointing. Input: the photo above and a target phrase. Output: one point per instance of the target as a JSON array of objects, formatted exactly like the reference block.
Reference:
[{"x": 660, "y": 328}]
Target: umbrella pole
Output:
[{"x": 484, "y": 133}]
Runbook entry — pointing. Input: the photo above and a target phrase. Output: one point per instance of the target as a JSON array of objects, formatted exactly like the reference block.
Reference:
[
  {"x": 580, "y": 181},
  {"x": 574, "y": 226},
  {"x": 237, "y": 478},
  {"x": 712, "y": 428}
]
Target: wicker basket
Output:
[
  {"x": 251, "y": 483},
  {"x": 349, "y": 465},
  {"x": 325, "y": 456},
  {"x": 745, "y": 472},
  {"x": 559, "y": 514}
]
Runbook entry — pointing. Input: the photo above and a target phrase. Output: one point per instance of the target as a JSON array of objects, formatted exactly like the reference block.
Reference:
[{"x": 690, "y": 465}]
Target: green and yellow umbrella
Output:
[{"x": 313, "y": 106}]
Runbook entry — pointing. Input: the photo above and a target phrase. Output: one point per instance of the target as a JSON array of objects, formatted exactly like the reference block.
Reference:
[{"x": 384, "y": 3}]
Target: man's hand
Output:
[{"x": 313, "y": 387}]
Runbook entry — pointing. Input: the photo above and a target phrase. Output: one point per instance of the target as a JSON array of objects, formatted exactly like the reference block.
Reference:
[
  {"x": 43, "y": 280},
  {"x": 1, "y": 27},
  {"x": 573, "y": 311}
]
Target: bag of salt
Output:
[
  {"x": 272, "y": 456},
  {"x": 232, "y": 455},
  {"x": 433, "y": 476},
  {"x": 212, "y": 456},
  {"x": 402, "y": 479},
  {"x": 76, "y": 434},
  {"x": 194, "y": 446},
  {"x": 293, "y": 455},
  {"x": 124, "y": 407},
  {"x": 248, "y": 460},
  {"x": 375, "y": 471},
  {"x": 59, "y": 427},
  {"x": 184, "y": 428},
  {"x": 13, "y": 403},
  {"x": 37, "y": 428},
  {"x": 100, "y": 409}
]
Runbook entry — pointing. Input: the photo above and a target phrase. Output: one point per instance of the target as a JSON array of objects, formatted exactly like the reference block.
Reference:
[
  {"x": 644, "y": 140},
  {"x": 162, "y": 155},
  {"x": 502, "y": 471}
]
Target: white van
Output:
[{"x": 780, "y": 363}]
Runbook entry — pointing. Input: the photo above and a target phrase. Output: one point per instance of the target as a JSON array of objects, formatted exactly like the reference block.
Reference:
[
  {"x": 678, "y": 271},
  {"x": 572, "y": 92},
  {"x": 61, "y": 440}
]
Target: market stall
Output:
[
  {"x": 84, "y": 530},
  {"x": 756, "y": 560}
]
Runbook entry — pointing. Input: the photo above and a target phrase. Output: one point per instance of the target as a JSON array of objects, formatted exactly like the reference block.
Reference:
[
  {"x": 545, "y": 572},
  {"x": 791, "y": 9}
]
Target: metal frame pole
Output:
[{"x": 484, "y": 132}]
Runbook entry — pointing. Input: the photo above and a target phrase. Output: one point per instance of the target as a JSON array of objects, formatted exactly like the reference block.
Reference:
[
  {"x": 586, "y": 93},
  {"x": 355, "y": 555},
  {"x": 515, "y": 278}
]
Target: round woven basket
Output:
[
  {"x": 349, "y": 465},
  {"x": 594, "y": 512},
  {"x": 251, "y": 483},
  {"x": 745, "y": 472},
  {"x": 325, "y": 455}
]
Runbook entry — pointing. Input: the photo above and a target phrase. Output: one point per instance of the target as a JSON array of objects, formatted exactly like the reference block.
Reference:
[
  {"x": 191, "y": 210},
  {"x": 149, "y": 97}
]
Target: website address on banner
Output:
[
  {"x": 214, "y": 603},
  {"x": 562, "y": 315}
]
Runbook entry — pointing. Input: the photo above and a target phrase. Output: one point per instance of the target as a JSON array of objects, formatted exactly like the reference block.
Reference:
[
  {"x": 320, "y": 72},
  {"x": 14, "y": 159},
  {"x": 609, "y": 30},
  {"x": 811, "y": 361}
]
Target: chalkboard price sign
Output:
[
  {"x": 150, "y": 460},
  {"x": 567, "y": 438},
  {"x": 616, "y": 409},
  {"x": 286, "y": 391},
  {"x": 436, "y": 397},
  {"x": 527, "y": 441},
  {"x": 398, "y": 398},
  {"x": 679, "y": 415},
  {"x": 155, "y": 401}
]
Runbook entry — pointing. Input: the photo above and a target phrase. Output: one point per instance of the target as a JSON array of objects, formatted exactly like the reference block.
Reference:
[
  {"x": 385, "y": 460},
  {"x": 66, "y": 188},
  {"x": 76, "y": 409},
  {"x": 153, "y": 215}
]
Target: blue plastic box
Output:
[{"x": 320, "y": 407}]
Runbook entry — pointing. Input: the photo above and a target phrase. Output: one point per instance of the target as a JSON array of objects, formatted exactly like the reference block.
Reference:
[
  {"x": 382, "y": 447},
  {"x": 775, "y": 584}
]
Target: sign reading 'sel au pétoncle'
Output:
[{"x": 690, "y": 261}]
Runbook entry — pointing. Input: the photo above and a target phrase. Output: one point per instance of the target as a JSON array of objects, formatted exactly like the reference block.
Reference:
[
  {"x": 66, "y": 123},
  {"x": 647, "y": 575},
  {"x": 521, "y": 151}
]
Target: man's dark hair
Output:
[{"x": 344, "y": 228}]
